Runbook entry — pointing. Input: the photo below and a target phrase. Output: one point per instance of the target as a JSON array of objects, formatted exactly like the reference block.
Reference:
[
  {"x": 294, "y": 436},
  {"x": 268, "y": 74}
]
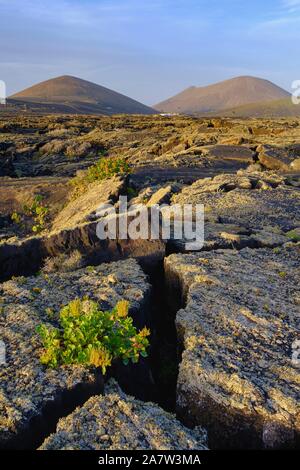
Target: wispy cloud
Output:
[
  {"x": 73, "y": 12},
  {"x": 144, "y": 48},
  {"x": 291, "y": 5},
  {"x": 282, "y": 19},
  {"x": 79, "y": 12}
]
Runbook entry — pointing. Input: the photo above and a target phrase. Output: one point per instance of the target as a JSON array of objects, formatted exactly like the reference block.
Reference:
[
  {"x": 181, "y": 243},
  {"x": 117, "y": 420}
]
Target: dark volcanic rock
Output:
[
  {"x": 6, "y": 166},
  {"x": 274, "y": 158},
  {"x": 117, "y": 421},
  {"x": 257, "y": 202},
  {"x": 237, "y": 376},
  {"x": 32, "y": 396},
  {"x": 5, "y": 146},
  {"x": 163, "y": 195},
  {"x": 232, "y": 152},
  {"x": 295, "y": 165},
  {"x": 26, "y": 257}
]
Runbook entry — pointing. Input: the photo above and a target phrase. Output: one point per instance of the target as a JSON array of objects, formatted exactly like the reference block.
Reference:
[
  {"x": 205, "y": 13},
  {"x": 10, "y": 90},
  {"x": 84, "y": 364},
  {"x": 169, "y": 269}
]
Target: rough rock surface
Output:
[
  {"x": 61, "y": 145},
  {"x": 295, "y": 165},
  {"x": 27, "y": 387},
  {"x": 231, "y": 152},
  {"x": 258, "y": 201},
  {"x": 77, "y": 212},
  {"x": 274, "y": 158},
  {"x": 116, "y": 421},
  {"x": 26, "y": 257},
  {"x": 162, "y": 196},
  {"x": 253, "y": 208},
  {"x": 243, "y": 210},
  {"x": 237, "y": 376}
]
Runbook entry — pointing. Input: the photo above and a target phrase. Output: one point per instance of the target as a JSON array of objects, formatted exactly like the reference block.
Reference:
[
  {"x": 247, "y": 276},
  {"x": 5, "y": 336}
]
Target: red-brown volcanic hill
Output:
[
  {"x": 270, "y": 109},
  {"x": 72, "y": 94},
  {"x": 224, "y": 95}
]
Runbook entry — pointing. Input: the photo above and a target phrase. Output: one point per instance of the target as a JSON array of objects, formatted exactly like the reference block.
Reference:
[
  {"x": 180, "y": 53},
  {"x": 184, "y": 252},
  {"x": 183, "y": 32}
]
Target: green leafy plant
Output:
[
  {"x": 89, "y": 336},
  {"x": 104, "y": 169},
  {"x": 16, "y": 218},
  {"x": 293, "y": 235},
  {"x": 35, "y": 211},
  {"x": 38, "y": 212}
]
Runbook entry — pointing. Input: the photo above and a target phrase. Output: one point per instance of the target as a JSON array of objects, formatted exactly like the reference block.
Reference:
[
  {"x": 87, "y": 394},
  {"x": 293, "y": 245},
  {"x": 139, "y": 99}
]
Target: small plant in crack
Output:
[
  {"x": 35, "y": 214},
  {"x": 103, "y": 169},
  {"x": 92, "y": 337}
]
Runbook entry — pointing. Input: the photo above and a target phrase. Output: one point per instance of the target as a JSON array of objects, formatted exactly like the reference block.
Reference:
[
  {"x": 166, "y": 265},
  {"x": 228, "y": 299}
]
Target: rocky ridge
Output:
[
  {"x": 116, "y": 421},
  {"x": 237, "y": 328},
  {"x": 27, "y": 387}
]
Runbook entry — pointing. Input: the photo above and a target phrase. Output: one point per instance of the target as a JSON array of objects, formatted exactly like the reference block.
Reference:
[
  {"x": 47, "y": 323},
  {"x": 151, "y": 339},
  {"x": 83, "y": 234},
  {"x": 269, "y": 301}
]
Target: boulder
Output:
[
  {"x": 4, "y": 146},
  {"x": 163, "y": 195},
  {"x": 273, "y": 158},
  {"x": 231, "y": 152},
  {"x": 26, "y": 257},
  {"x": 233, "y": 140},
  {"x": 263, "y": 239},
  {"x": 294, "y": 234},
  {"x": 116, "y": 421},
  {"x": 78, "y": 210},
  {"x": 6, "y": 166}
]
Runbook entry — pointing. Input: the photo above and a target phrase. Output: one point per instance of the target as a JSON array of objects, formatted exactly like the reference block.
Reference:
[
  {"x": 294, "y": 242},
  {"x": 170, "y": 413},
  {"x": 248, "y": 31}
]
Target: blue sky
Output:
[{"x": 149, "y": 49}]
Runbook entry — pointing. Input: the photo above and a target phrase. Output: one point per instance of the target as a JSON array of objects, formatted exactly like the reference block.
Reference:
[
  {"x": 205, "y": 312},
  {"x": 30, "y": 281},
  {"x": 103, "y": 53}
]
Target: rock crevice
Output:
[{"x": 237, "y": 326}]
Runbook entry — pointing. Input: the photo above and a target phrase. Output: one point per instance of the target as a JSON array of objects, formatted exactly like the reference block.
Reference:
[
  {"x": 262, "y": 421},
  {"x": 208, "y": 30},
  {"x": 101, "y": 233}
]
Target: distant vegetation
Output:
[
  {"x": 293, "y": 235},
  {"x": 92, "y": 337},
  {"x": 64, "y": 262},
  {"x": 35, "y": 211},
  {"x": 104, "y": 169}
]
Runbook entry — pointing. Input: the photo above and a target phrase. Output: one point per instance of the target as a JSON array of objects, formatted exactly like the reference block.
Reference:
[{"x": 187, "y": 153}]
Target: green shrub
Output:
[
  {"x": 16, "y": 218},
  {"x": 293, "y": 235},
  {"x": 104, "y": 169},
  {"x": 34, "y": 211},
  {"x": 38, "y": 212},
  {"x": 92, "y": 337}
]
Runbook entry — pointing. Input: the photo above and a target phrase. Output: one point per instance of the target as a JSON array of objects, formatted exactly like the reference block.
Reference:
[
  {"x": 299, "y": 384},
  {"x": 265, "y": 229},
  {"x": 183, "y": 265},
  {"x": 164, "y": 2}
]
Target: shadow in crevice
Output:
[
  {"x": 164, "y": 346},
  {"x": 42, "y": 425}
]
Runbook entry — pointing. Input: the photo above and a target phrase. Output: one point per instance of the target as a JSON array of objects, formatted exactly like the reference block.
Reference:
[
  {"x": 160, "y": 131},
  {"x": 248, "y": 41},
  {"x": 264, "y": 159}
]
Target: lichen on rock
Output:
[
  {"x": 27, "y": 387},
  {"x": 241, "y": 317},
  {"x": 116, "y": 421}
]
